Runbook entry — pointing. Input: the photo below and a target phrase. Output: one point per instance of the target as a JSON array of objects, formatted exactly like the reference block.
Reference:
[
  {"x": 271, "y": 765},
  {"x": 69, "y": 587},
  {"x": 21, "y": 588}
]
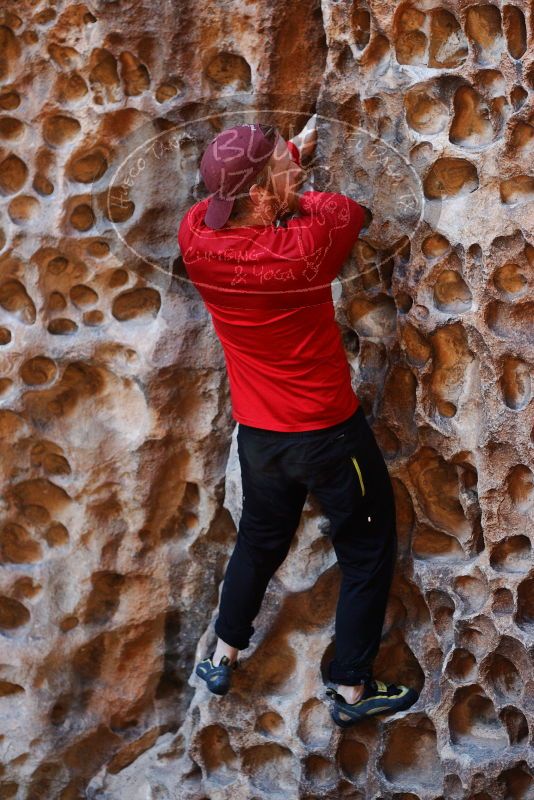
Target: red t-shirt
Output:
[{"x": 268, "y": 291}]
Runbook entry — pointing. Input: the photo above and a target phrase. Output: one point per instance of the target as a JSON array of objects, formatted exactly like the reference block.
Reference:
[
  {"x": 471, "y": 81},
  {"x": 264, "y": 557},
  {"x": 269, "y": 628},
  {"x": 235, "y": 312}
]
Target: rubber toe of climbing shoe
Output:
[{"x": 218, "y": 677}]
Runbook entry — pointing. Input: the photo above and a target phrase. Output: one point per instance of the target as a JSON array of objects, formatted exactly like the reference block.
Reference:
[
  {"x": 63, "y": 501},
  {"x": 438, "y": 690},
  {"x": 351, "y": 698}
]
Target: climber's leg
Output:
[
  {"x": 355, "y": 492},
  {"x": 272, "y": 507}
]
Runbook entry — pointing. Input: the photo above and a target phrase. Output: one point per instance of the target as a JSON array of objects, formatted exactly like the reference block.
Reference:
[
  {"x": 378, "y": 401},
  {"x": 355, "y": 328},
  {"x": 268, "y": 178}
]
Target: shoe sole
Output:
[{"x": 352, "y": 715}]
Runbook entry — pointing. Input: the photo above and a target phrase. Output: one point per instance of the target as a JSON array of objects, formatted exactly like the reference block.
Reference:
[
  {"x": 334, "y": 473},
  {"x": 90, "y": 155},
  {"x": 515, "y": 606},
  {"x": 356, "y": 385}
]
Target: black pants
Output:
[{"x": 343, "y": 467}]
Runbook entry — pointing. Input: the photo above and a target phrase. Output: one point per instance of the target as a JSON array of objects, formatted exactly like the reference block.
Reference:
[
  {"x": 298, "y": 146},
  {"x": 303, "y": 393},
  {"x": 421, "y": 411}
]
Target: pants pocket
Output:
[
  {"x": 354, "y": 443},
  {"x": 370, "y": 470}
]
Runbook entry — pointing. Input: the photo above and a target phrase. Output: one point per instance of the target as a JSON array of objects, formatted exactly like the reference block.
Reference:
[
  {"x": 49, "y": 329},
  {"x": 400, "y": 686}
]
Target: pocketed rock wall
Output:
[{"x": 120, "y": 484}]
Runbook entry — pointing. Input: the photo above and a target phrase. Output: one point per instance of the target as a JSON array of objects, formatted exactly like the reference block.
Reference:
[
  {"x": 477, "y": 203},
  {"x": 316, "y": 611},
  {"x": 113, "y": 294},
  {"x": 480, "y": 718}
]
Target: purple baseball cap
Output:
[{"x": 230, "y": 163}]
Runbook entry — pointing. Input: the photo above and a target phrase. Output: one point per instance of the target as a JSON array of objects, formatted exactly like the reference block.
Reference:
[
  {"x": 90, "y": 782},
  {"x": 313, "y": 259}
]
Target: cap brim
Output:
[{"x": 218, "y": 212}]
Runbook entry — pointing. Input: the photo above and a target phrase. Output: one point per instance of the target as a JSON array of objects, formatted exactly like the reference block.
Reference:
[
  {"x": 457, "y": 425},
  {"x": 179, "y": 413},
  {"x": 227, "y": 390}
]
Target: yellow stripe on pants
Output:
[{"x": 359, "y": 473}]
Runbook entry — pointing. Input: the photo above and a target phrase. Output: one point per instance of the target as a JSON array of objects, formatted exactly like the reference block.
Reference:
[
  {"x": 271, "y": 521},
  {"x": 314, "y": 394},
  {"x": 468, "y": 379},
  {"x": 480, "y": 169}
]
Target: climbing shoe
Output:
[
  {"x": 377, "y": 698},
  {"x": 217, "y": 676}
]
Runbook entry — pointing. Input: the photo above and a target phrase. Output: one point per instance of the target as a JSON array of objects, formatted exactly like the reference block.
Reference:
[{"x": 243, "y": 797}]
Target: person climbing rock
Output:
[{"x": 262, "y": 256}]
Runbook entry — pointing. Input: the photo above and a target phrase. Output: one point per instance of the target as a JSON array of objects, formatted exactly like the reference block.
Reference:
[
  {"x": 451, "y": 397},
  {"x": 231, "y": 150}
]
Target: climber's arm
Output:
[{"x": 305, "y": 141}]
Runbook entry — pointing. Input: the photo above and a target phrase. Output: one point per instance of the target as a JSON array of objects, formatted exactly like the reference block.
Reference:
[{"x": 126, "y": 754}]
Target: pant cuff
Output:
[
  {"x": 348, "y": 676},
  {"x": 232, "y": 638}
]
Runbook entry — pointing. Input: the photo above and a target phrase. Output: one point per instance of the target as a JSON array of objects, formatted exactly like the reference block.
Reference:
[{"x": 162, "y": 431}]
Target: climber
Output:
[{"x": 262, "y": 257}]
